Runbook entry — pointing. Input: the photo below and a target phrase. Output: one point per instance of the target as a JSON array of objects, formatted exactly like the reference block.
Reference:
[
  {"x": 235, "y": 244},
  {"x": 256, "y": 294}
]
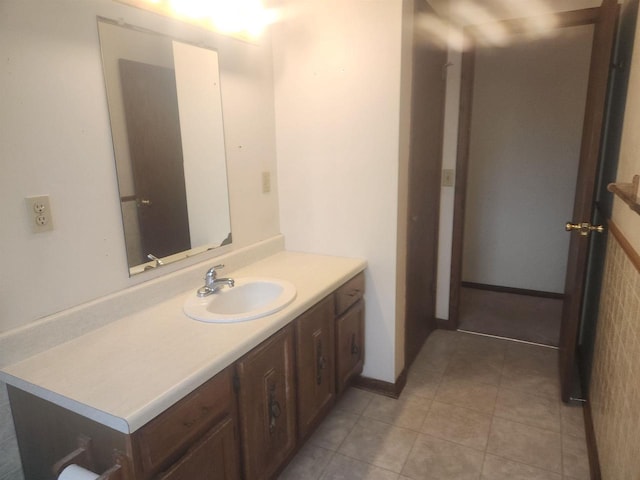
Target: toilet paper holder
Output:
[{"x": 83, "y": 457}]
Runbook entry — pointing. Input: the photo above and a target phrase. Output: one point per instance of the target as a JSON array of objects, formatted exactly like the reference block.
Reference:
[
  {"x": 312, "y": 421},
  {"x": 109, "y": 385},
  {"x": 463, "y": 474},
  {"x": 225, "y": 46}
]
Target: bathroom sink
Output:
[{"x": 250, "y": 298}]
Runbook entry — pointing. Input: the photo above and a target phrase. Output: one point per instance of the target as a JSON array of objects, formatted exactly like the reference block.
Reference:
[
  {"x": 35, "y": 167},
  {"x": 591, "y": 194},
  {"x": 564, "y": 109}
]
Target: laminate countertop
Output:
[{"x": 129, "y": 371}]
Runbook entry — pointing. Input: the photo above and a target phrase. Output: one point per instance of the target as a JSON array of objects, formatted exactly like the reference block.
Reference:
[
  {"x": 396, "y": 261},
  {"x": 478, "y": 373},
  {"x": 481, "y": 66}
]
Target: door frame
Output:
[
  {"x": 573, "y": 18},
  {"x": 428, "y": 97}
]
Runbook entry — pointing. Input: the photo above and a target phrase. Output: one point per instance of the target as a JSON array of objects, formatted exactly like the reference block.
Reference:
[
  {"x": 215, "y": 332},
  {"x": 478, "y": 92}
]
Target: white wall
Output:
[
  {"x": 55, "y": 139},
  {"x": 526, "y": 131},
  {"x": 337, "y": 83}
]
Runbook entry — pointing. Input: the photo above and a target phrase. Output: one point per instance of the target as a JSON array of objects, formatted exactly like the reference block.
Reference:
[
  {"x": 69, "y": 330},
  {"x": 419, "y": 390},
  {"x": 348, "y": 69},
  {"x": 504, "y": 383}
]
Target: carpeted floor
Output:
[{"x": 523, "y": 317}]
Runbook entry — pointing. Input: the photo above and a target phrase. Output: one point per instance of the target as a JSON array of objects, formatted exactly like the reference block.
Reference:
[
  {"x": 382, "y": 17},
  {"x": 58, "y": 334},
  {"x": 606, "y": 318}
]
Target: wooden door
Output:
[
  {"x": 315, "y": 355},
  {"x": 267, "y": 407},
  {"x": 604, "y": 36},
  {"x": 425, "y": 164},
  {"x": 349, "y": 345},
  {"x": 155, "y": 146}
]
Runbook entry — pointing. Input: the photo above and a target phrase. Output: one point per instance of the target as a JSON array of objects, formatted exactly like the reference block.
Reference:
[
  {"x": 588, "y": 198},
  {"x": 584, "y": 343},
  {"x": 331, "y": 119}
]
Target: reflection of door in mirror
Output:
[
  {"x": 151, "y": 111},
  {"x": 165, "y": 106}
]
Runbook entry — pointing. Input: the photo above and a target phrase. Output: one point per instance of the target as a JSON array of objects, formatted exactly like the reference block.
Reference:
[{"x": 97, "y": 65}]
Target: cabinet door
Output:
[
  {"x": 267, "y": 405},
  {"x": 315, "y": 347},
  {"x": 349, "y": 345},
  {"x": 215, "y": 457}
]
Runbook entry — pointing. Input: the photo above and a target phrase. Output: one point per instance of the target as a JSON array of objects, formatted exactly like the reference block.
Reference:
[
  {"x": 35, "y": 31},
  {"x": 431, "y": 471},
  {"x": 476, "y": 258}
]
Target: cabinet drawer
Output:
[
  {"x": 214, "y": 457},
  {"x": 349, "y": 293},
  {"x": 168, "y": 435}
]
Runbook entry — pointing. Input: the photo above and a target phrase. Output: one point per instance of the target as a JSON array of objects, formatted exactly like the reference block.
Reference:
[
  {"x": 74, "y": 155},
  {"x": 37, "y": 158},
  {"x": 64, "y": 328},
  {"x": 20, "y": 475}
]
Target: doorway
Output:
[{"x": 519, "y": 154}]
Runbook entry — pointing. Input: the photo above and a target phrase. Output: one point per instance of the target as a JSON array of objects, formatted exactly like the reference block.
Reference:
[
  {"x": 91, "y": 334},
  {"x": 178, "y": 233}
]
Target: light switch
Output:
[
  {"x": 448, "y": 177},
  {"x": 266, "y": 182}
]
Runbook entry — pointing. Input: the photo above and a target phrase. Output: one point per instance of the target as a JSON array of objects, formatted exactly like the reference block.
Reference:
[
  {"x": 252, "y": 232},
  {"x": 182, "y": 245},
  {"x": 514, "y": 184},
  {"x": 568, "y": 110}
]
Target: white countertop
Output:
[{"x": 126, "y": 373}]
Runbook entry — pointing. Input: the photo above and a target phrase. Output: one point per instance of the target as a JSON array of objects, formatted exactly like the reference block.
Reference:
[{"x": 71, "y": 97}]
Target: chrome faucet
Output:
[
  {"x": 158, "y": 263},
  {"x": 212, "y": 283}
]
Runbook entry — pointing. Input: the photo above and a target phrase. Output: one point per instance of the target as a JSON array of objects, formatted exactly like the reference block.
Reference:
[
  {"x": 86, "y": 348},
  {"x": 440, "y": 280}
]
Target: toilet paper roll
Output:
[{"x": 76, "y": 472}]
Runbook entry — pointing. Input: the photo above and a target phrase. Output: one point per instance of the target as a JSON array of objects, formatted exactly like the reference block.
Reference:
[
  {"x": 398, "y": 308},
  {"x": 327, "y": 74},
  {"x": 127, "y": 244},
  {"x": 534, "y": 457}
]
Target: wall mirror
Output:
[{"x": 166, "y": 122}]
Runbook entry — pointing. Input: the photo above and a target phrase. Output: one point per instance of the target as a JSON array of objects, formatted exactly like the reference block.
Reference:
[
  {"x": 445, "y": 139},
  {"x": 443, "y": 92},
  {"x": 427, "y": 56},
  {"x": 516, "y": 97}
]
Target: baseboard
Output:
[
  {"x": 381, "y": 387},
  {"x": 517, "y": 291},
  {"x": 592, "y": 447},
  {"x": 443, "y": 324}
]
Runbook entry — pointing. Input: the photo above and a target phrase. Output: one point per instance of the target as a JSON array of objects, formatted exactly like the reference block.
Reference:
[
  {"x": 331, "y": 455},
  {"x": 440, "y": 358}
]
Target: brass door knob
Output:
[{"x": 584, "y": 229}]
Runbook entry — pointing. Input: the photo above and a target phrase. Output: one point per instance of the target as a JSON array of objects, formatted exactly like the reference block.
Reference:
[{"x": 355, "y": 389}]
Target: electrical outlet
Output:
[
  {"x": 39, "y": 213},
  {"x": 266, "y": 182},
  {"x": 448, "y": 177}
]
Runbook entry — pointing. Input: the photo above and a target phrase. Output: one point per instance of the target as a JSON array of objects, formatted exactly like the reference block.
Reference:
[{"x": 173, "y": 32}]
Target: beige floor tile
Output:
[
  {"x": 457, "y": 424},
  {"x": 541, "y": 361},
  {"x": 496, "y": 468},
  {"x": 471, "y": 343},
  {"x": 572, "y": 417},
  {"x": 467, "y": 393},
  {"x": 408, "y": 412},
  {"x": 308, "y": 464},
  {"x": 442, "y": 339},
  {"x": 437, "y": 351},
  {"x": 379, "y": 444},
  {"x": 435, "y": 359},
  {"x": 575, "y": 460},
  {"x": 345, "y": 468},
  {"x": 476, "y": 367},
  {"x": 519, "y": 406},
  {"x": 531, "y": 378},
  {"x": 435, "y": 459},
  {"x": 334, "y": 429},
  {"x": 525, "y": 444},
  {"x": 422, "y": 382},
  {"x": 354, "y": 401}
]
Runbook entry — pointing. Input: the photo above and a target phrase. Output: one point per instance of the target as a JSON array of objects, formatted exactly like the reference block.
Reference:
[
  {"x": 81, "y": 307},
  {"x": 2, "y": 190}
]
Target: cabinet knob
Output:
[
  {"x": 320, "y": 363},
  {"x": 274, "y": 409},
  {"x": 355, "y": 350}
]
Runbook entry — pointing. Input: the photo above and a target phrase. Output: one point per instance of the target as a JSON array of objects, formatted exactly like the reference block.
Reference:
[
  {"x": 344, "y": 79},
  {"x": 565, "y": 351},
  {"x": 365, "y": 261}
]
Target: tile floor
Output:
[{"x": 474, "y": 408}]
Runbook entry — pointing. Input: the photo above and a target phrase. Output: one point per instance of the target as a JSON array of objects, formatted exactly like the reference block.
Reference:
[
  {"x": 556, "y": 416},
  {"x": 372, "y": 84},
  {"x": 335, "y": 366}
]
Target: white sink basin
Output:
[{"x": 250, "y": 298}]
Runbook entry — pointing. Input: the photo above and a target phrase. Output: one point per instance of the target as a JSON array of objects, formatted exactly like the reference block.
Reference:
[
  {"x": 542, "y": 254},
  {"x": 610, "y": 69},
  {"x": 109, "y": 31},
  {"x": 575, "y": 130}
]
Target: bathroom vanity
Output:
[{"x": 158, "y": 395}]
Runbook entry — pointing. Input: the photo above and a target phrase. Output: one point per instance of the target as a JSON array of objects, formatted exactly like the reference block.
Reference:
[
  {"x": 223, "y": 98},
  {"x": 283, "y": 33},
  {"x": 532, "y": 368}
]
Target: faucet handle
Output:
[{"x": 211, "y": 273}]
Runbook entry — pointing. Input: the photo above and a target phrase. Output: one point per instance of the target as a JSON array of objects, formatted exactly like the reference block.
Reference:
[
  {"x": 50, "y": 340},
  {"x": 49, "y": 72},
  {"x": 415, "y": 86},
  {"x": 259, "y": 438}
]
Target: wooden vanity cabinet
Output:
[
  {"x": 349, "y": 331},
  {"x": 315, "y": 364},
  {"x": 244, "y": 423},
  {"x": 197, "y": 434},
  {"x": 267, "y": 405}
]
